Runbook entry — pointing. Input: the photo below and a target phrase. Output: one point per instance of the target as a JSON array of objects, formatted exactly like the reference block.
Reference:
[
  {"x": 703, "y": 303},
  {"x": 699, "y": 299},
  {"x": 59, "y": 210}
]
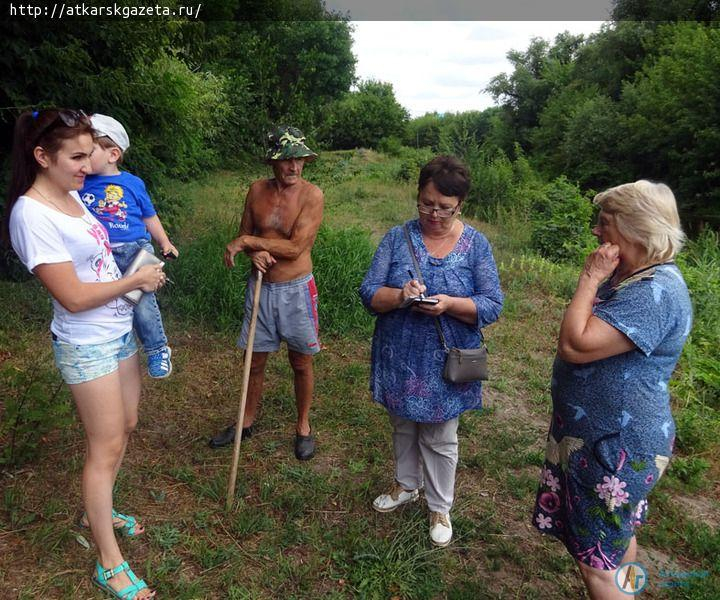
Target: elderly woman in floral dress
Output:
[{"x": 612, "y": 431}]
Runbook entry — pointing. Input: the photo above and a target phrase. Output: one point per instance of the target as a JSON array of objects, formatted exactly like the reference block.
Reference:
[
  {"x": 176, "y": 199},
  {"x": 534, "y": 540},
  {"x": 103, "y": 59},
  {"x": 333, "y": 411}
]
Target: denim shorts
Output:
[{"x": 86, "y": 362}]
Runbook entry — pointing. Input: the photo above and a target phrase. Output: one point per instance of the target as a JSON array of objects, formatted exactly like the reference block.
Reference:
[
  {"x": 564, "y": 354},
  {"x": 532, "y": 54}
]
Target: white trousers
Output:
[{"x": 427, "y": 454}]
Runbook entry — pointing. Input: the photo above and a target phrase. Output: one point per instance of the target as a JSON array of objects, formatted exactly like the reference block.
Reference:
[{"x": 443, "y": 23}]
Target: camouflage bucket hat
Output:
[{"x": 287, "y": 142}]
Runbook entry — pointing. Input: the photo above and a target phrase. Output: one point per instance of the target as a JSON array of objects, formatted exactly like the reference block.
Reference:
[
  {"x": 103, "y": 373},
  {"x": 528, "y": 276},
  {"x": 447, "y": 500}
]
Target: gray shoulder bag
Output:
[{"x": 461, "y": 364}]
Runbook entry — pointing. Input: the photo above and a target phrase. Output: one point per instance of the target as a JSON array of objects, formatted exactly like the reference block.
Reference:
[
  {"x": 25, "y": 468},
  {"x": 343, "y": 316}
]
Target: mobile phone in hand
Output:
[
  {"x": 168, "y": 256},
  {"x": 423, "y": 300}
]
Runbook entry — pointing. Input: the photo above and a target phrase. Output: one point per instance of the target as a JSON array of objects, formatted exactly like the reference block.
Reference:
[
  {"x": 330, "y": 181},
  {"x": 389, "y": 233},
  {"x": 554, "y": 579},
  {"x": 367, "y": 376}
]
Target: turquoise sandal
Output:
[
  {"x": 128, "y": 593},
  {"x": 128, "y": 528}
]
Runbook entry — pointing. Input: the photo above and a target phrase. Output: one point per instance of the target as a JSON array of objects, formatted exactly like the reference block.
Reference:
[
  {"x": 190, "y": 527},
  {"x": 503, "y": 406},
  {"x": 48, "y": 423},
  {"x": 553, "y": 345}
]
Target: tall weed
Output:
[
  {"x": 208, "y": 293},
  {"x": 204, "y": 290},
  {"x": 697, "y": 386},
  {"x": 700, "y": 264},
  {"x": 340, "y": 258}
]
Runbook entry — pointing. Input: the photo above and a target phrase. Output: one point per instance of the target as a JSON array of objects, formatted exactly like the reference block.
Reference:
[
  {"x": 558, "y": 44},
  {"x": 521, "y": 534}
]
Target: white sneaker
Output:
[
  {"x": 397, "y": 496},
  {"x": 440, "y": 529}
]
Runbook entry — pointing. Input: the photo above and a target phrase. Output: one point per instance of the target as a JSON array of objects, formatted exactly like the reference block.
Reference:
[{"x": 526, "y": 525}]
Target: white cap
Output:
[{"x": 112, "y": 128}]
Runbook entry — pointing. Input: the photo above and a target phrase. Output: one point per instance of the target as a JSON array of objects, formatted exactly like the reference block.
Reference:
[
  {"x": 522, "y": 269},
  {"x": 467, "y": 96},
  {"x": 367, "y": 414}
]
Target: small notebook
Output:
[{"x": 142, "y": 258}]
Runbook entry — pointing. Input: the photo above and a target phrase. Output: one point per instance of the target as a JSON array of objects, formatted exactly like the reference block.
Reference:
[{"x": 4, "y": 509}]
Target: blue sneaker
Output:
[{"x": 159, "y": 365}]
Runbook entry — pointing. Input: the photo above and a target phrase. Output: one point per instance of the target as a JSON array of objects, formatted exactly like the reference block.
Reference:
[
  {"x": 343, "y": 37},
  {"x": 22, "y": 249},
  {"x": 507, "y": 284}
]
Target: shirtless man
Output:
[{"x": 278, "y": 229}]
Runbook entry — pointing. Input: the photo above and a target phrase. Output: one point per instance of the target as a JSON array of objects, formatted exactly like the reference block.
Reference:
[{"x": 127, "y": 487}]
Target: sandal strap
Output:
[
  {"x": 129, "y": 525},
  {"x": 132, "y": 590},
  {"x": 105, "y": 574},
  {"x": 127, "y": 593}
]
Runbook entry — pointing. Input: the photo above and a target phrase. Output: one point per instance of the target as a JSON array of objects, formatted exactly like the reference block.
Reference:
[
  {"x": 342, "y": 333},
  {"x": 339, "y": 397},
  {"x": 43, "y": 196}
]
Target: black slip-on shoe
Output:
[
  {"x": 227, "y": 436},
  {"x": 304, "y": 446}
]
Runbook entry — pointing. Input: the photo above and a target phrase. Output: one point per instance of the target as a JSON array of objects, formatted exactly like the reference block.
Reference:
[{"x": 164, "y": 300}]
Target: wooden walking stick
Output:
[{"x": 243, "y": 396}]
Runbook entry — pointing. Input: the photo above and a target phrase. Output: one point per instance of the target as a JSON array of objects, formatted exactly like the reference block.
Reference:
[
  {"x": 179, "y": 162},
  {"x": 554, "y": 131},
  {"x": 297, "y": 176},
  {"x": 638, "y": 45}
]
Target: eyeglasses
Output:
[
  {"x": 443, "y": 213},
  {"x": 68, "y": 117}
]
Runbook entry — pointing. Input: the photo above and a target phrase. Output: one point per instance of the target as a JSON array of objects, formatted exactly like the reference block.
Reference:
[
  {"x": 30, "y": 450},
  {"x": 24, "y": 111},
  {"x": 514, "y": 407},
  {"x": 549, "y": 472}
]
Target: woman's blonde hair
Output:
[{"x": 645, "y": 213}]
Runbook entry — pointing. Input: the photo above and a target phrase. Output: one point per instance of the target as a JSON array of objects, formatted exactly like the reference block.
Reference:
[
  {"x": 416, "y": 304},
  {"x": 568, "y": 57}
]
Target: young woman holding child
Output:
[{"x": 67, "y": 249}]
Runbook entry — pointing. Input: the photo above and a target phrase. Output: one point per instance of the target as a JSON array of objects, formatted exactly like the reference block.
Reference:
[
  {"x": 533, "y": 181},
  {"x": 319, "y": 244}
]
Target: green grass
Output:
[{"x": 300, "y": 530}]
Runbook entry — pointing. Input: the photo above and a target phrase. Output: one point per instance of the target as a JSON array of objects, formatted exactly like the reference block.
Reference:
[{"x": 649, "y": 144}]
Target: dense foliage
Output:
[
  {"x": 636, "y": 100},
  {"x": 192, "y": 94}
]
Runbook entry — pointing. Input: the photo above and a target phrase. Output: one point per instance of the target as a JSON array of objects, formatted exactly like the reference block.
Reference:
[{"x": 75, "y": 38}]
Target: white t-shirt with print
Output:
[{"x": 41, "y": 235}]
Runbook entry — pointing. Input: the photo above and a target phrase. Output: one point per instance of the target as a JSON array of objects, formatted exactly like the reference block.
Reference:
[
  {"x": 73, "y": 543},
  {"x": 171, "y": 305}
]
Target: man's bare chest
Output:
[{"x": 276, "y": 217}]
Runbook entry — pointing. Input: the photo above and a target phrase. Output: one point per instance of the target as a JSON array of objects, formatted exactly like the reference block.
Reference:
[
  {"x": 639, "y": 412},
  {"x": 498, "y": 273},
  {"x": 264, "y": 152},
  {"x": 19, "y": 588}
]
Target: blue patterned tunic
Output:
[
  {"x": 612, "y": 432},
  {"x": 407, "y": 357}
]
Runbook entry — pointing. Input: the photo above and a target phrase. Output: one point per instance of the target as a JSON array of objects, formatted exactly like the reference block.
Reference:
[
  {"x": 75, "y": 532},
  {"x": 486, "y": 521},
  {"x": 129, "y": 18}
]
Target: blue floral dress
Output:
[
  {"x": 612, "y": 432},
  {"x": 407, "y": 357}
]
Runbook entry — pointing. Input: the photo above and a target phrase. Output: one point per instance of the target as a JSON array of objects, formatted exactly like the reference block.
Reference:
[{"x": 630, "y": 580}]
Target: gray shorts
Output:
[{"x": 287, "y": 311}]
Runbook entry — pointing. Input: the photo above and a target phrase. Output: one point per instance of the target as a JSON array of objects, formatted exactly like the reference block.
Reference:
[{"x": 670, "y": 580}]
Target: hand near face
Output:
[{"x": 600, "y": 264}]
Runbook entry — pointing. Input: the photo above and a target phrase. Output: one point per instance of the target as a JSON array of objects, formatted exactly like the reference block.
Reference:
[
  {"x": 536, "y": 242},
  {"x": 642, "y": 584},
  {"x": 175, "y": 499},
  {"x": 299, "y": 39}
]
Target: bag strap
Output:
[{"x": 420, "y": 279}]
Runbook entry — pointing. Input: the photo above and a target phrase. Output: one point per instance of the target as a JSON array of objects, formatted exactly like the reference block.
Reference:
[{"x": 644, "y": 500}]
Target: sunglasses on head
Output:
[{"x": 67, "y": 117}]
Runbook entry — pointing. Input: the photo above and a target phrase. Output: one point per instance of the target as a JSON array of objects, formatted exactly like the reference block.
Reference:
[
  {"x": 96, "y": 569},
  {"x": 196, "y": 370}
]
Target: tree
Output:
[
  {"x": 424, "y": 132},
  {"x": 595, "y": 131},
  {"x": 668, "y": 10},
  {"x": 674, "y": 118},
  {"x": 613, "y": 56},
  {"x": 187, "y": 91},
  {"x": 276, "y": 69},
  {"x": 538, "y": 73},
  {"x": 364, "y": 117}
]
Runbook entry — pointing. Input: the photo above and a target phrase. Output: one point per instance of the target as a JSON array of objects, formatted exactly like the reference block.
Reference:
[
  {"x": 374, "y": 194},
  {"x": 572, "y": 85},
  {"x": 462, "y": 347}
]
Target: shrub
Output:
[
  {"x": 176, "y": 101},
  {"x": 411, "y": 161},
  {"x": 561, "y": 222},
  {"x": 391, "y": 145},
  {"x": 35, "y": 404}
]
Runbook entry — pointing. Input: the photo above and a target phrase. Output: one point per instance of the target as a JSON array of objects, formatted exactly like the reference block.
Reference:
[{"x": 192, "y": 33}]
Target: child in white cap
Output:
[{"x": 120, "y": 201}]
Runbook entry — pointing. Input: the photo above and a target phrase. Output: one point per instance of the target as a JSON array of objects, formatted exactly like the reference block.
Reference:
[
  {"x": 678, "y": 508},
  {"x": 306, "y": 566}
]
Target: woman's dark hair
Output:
[
  {"x": 47, "y": 128},
  {"x": 449, "y": 174}
]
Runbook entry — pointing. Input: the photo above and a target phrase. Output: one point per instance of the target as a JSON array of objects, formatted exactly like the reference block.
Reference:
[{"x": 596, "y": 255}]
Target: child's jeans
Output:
[{"x": 147, "y": 320}]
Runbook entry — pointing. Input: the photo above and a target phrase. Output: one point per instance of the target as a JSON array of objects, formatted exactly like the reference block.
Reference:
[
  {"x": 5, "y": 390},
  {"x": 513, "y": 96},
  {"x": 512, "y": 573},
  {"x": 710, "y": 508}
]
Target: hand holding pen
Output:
[{"x": 412, "y": 289}]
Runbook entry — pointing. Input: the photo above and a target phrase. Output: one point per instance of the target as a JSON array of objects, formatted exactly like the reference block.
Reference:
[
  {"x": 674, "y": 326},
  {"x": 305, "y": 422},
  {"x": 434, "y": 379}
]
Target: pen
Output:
[{"x": 413, "y": 277}]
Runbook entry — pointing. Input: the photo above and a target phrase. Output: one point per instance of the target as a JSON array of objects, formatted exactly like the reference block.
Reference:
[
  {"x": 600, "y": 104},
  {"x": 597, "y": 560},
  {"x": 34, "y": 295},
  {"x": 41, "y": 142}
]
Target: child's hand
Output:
[{"x": 170, "y": 251}]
